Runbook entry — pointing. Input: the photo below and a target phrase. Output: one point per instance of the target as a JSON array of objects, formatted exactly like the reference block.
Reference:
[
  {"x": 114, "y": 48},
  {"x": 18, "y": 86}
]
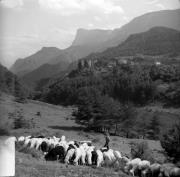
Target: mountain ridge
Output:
[
  {"x": 80, "y": 47},
  {"x": 34, "y": 61},
  {"x": 155, "y": 41}
]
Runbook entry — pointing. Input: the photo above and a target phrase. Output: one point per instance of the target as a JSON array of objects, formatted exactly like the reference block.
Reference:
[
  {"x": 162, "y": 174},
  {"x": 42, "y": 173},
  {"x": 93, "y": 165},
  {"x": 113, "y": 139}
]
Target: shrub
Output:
[
  {"x": 142, "y": 151},
  {"x": 96, "y": 140},
  {"x": 20, "y": 99},
  {"x": 21, "y": 122},
  {"x": 171, "y": 142},
  {"x": 4, "y": 131},
  {"x": 5, "y": 127},
  {"x": 33, "y": 152}
]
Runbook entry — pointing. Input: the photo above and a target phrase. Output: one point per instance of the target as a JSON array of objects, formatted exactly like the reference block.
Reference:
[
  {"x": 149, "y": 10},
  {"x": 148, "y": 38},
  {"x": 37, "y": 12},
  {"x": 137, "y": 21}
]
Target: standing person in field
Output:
[{"x": 107, "y": 139}]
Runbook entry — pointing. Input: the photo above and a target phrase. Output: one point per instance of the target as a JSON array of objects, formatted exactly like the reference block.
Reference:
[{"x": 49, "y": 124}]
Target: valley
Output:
[{"x": 124, "y": 81}]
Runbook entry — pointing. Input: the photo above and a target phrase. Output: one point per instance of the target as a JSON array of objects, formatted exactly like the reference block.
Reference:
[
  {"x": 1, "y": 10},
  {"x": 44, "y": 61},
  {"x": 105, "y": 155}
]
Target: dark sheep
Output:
[
  {"x": 40, "y": 136},
  {"x": 146, "y": 173},
  {"x": 89, "y": 144},
  {"x": 71, "y": 146},
  {"x": 45, "y": 147},
  {"x": 57, "y": 153},
  {"x": 104, "y": 149},
  {"x": 155, "y": 169},
  {"x": 76, "y": 144},
  {"x": 31, "y": 137},
  {"x": 94, "y": 157}
]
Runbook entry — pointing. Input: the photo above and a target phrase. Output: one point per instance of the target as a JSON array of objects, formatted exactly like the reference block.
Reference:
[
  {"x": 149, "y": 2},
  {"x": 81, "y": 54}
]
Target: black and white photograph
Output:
[{"x": 90, "y": 88}]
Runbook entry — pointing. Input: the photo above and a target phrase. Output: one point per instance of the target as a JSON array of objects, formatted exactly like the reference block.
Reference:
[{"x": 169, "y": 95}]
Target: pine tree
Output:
[
  {"x": 142, "y": 128},
  {"x": 129, "y": 115},
  {"x": 171, "y": 142},
  {"x": 153, "y": 128}
]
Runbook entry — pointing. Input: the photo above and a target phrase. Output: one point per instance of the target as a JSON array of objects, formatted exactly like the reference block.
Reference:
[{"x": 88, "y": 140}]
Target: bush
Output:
[
  {"x": 20, "y": 99},
  {"x": 33, "y": 152},
  {"x": 96, "y": 140},
  {"x": 4, "y": 131},
  {"x": 142, "y": 151},
  {"x": 171, "y": 142},
  {"x": 21, "y": 122},
  {"x": 5, "y": 127}
]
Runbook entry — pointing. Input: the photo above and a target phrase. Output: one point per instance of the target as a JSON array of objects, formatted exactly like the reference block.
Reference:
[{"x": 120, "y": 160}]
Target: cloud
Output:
[
  {"x": 161, "y": 6},
  {"x": 152, "y": 1},
  {"x": 13, "y": 47},
  {"x": 98, "y": 19},
  {"x": 156, "y": 4},
  {"x": 65, "y": 7},
  {"x": 125, "y": 18},
  {"x": 69, "y": 7},
  {"x": 90, "y": 25},
  {"x": 12, "y": 3}
]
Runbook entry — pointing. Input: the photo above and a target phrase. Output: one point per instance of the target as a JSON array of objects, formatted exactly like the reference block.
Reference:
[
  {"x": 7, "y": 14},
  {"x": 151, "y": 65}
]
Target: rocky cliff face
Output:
[{"x": 90, "y": 37}]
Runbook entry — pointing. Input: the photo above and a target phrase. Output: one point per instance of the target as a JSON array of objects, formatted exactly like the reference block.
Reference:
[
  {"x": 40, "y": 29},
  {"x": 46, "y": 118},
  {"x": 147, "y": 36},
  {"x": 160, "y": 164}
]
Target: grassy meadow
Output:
[{"x": 58, "y": 121}]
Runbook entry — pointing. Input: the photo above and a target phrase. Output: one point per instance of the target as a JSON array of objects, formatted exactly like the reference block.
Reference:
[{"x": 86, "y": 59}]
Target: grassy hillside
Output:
[
  {"x": 27, "y": 166},
  {"x": 58, "y": 121}
]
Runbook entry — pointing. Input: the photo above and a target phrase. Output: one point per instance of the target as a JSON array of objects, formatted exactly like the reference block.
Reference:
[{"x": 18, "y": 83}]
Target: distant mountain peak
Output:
[
  {"x": 34, "y": 61},
  {"x": 50, "y": 48},
  {"x": 90, "y": 36}
]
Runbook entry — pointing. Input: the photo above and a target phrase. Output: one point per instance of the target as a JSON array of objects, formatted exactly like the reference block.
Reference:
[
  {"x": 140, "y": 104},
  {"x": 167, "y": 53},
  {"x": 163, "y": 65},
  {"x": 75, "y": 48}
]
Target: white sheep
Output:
[
  {"x": 132, "y": 165},
  {"x": 109, "y": 157},
  {"x": 33, "y": 142},
  {"x": 80, "y": 153},
  {"x": 144, "y": 164},
  {"x": 21, "y": 139},
  {"x": 118, "y": 156},
  {"x": 89, "y": 154},
  {"x": 69, "y": 155},
  {"x": 100, "y": 158},
  {"x": 26, "y": 141}
]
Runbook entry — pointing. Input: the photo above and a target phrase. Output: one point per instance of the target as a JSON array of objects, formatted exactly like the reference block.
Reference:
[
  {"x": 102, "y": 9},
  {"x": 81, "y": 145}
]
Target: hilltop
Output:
[{"x": 156, "y": 41}]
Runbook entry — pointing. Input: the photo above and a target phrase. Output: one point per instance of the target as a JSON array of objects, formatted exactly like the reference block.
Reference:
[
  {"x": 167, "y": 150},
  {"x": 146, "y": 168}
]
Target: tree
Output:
[
  {"x": 97, "y": 110},
  {"x": 142, "y": 128},
  {"x": 128, "y": 118},
  {"x": 142, "y": 151},
  {"x": 153, "y": 127},
  {"x": 171, "y": 142}
]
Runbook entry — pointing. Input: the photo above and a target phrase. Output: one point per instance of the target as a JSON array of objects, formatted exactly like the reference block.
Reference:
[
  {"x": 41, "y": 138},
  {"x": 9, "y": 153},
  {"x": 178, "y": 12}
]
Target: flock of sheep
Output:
[{"x": 84, "y": 153}]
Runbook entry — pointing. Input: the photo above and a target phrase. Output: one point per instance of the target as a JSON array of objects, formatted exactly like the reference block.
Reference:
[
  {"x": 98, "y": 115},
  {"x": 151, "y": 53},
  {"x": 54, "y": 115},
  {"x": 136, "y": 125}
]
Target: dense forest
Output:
[
  {"x": 109, "y": 99},
  {"x": 10, "y": 83},
  {"x": 108, "y": 87}
]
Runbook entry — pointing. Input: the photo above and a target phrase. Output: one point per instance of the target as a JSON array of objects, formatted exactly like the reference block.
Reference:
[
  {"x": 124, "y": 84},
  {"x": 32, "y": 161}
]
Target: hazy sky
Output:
[{"x": 28, "y": 25}]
